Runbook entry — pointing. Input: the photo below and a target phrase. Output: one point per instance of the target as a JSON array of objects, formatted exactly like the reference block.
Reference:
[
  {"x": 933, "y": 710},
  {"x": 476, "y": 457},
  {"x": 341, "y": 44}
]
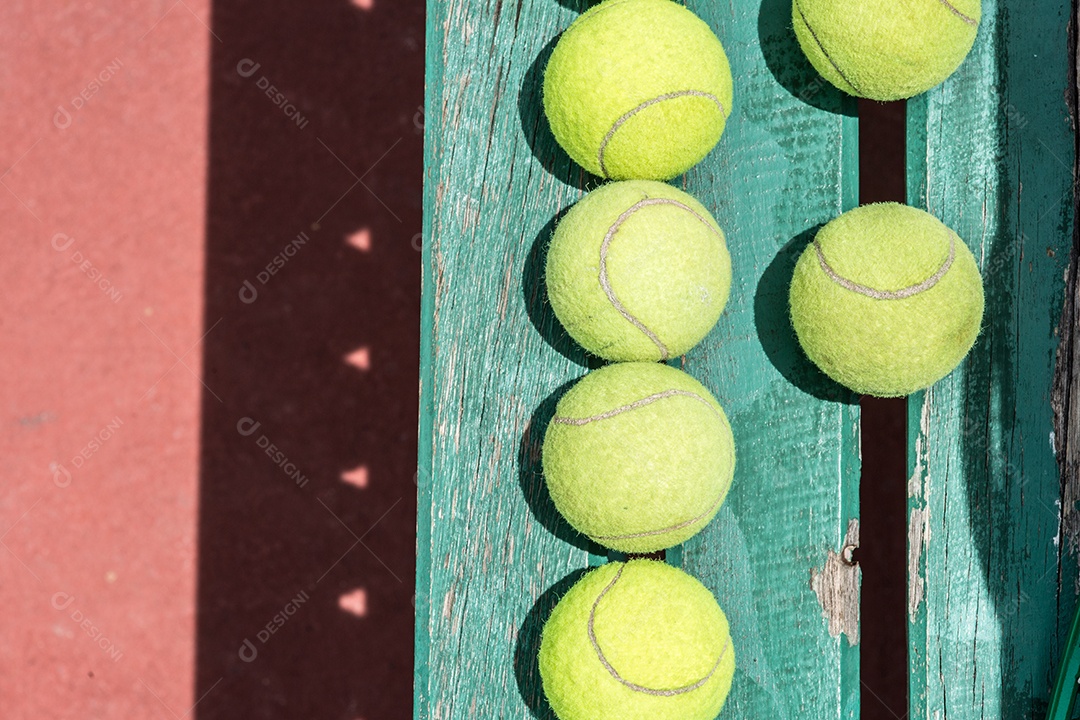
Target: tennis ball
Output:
[
  {"x": 638, "y": 457},
  {"x": 637, "y": 89},
  {"x": 637, "y": 641},
  {"x": 886, "y": 50},
  {"x": 638, "y": 270},
  {"x": 886, "y": 300}
]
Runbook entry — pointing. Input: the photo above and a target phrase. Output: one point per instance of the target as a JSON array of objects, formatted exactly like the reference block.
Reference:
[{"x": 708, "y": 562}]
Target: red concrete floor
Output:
[{"x": 210, "y": 345}]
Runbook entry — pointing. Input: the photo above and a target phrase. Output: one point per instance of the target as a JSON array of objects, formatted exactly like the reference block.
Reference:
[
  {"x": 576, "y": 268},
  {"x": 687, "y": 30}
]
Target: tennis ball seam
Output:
[
  {"x": 900, "y": 294},
  {"x": 605, "y": 282},
  {"x": 953, "y": 9},
  {"x": 632, "y": 685},
  {"x": 648, "y": 103},
  {"x": 670, "y": 528},
  {"x": 648, "y": 400},
  {"x": 825, "y": 52}
]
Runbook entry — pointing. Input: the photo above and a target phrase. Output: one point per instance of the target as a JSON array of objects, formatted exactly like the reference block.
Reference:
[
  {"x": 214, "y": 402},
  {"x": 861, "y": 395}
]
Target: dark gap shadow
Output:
[
  {"x": 882, "y": 554},
  {"x": 772, "y": 318},
  {"x": 788, "y": 64},
  {"x": 526, "y": 651},
  {"x": 305, "y": 579}
]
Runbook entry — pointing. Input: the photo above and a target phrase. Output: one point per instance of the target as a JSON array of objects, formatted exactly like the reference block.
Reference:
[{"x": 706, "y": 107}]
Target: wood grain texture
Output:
[
  {"x": 493, "y": 556},
  {"x": 992, "y": 574}
]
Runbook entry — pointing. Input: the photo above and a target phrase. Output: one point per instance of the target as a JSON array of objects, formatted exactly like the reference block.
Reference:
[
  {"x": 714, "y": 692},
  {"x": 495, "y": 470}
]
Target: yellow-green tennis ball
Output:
[
  {"x": 637, "y": 89},
  {"x": 886, "y": 49},
  {"x": 886, "y": 300},
  {"x": 637, "y": 641},
  {"x": 638, "y": 270},
  {"x": 638, "y": 457}
]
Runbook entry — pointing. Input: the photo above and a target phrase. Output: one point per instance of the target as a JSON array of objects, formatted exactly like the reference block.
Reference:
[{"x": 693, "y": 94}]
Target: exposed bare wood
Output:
[{"x": 836, "y": 585}]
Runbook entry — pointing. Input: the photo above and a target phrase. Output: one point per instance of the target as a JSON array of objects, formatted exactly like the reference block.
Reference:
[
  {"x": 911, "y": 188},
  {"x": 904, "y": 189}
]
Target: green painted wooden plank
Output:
[
  {"x": 787, "y": 163},
  {"x": 492, "y": 555},
  {"x": 992, "y": 577}
]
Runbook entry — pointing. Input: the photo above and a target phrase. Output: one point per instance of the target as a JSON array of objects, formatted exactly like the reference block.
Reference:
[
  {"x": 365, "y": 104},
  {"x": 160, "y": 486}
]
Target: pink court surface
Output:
[{"x": 210, "y": 331}]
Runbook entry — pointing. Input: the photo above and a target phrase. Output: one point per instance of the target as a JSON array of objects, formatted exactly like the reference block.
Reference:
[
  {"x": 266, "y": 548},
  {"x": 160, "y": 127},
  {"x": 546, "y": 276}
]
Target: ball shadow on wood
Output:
[
  {"x": 788, "y": 64},
  {"x": 777, "y": 336},
  {"x": 531, "y": 476},
  {"x": 527, "y": 649},
  {"x": 538, "y": 307},
  {"x": 537, "y": 131}
]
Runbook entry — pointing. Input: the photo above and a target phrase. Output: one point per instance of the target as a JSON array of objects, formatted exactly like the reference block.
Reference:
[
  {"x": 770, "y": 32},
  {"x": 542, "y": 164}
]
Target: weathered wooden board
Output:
[
  {"x": 992, "y": 548},
  {"x": 493, "y": 556},
  {"x": 787, "y": 163},
  {"x": 492, "y": 553}
]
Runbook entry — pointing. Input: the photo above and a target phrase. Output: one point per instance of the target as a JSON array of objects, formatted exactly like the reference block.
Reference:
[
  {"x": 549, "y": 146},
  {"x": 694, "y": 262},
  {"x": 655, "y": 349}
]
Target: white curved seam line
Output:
[
  {"x": 887, "y": 294},
  {"x": 679, "y": 526},
  {"x": 952, "y": 8},
  {"x": 605, "y": 281},
  {"x": 633, "y": 406},
  {"x": 631, "y": 113},
  {"x": 672, "y": 528},
  {"x": 821, "y": 47},
  {"x": 634, "y": 686}
]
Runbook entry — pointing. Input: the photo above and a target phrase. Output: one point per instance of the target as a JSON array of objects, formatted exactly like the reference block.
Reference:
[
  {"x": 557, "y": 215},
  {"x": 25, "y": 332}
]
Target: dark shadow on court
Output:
[{"x": 308, "y": 450}]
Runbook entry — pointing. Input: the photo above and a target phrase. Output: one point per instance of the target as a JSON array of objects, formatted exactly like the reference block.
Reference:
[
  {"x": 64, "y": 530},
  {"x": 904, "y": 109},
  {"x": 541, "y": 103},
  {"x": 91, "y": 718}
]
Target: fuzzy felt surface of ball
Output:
[
  {"x": 638, "y": 270},
  {"x": 886, "y": 300},
  {"x": 638, "y": 457},
  {"x": 638, "y": 89},
  {"x": 637, "y": 641},
  {"x": 886, "y": 50}
]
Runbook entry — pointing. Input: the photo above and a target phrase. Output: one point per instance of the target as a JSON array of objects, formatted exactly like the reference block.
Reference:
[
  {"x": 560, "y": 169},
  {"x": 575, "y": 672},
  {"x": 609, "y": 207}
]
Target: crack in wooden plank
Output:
[
  {"x": 918, "y": 517},
  {"x": 1065, "y": 402},
  {"x": 916, "y": 539}
]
